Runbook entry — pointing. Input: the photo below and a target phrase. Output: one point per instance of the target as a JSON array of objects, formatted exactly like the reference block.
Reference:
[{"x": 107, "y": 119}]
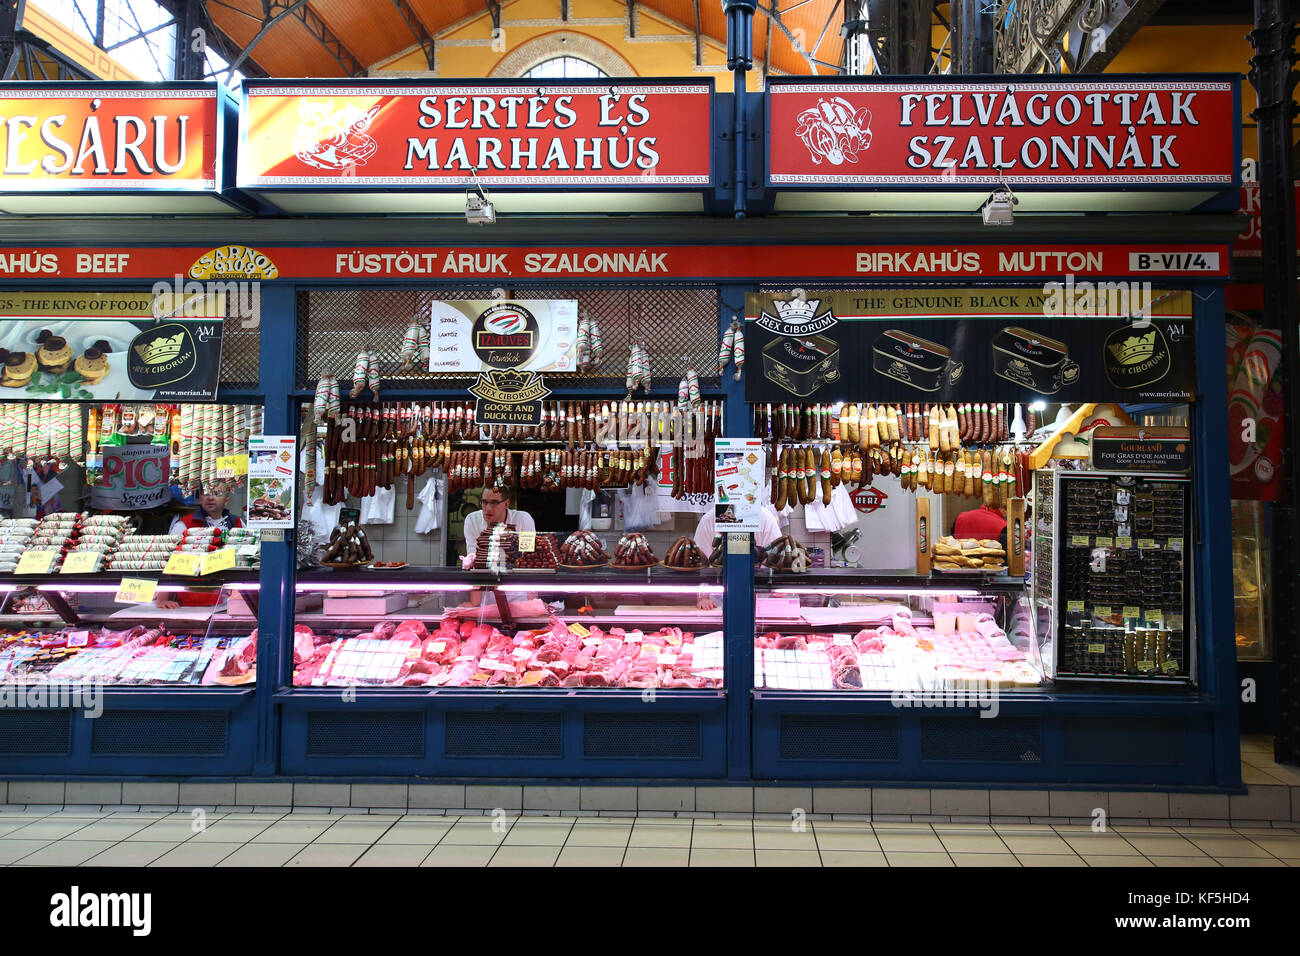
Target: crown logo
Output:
[
  {"x": 162, "y": 349},
  {"x": 1134, "y": 349},
  {"x": 797, "y": 311},
  {"x": 509, "y": 380}
]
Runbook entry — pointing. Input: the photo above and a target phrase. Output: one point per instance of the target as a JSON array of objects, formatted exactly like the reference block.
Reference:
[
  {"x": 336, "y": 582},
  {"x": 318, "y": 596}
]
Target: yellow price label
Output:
[
  {"x": 1175, "y": 544},
  {"x": 1079, "y": 541},
  {"x": 527, "y": 542},
  {"x": 1146, "y": 666},
  {"x": 185, "y": 564},
  {"x": 1125, "y": 543},
  {"x": 1169, "y": 667},
  {"x": 579, "y": 630},
  {"x": 135, "y": 591},
  {"x": 80, "y": 562},
  {"x": 1176, "y": 622},
  {"x": 232, "y": 466},
  {"x": 1147, "y": 544},
  {"x": 1096, "y": 648},
  {"x": 1101, "y": 611},
  {"x": 1074, "y": 607},
  {"x": 1101, "y": 542},
  {"x": 218, "y": 560},
  {"x": 1132, "y": 610},
  {"x": 1154, "y": 615},
  {"x": 36, "y": 562}
]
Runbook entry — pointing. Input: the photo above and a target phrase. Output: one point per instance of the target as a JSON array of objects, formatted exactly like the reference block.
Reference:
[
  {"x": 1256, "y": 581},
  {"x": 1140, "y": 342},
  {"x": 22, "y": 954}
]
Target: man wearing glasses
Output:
[{"x": 495, "y": 508}]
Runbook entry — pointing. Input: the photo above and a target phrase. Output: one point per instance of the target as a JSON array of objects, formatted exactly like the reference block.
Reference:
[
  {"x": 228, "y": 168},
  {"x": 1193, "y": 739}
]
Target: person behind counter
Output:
[
  {"x": 495, "y": 508},
  {"x": 211, "y": 512},
  {"x": 984, "y": 523}
]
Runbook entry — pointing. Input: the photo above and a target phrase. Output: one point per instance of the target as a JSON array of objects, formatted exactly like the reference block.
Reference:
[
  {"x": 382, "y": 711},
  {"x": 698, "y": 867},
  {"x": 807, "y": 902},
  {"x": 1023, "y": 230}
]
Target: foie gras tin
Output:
[
  {"x": 1033, "y": 360},
  {"x": 914, "y": 361},
  {"x": 801, "y": 364}
]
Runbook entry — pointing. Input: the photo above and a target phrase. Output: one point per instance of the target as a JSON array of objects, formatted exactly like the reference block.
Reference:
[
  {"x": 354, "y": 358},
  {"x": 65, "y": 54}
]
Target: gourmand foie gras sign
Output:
[
  {"x": 1072, "y": 342},
  {"x": 1072, "y": 131},
  {"x": 422, "y": 135},
  {"x": 507, "y": 344}
]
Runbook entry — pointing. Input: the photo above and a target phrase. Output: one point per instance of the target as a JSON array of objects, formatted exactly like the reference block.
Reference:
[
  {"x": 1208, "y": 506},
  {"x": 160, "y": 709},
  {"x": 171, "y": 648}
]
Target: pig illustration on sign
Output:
[
  {"x": 834, "y": 131},
  {"x": 329, "y": 138}
]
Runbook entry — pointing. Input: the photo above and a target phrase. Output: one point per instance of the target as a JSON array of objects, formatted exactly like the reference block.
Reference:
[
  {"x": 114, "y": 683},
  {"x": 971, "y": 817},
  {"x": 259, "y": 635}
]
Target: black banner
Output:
[
  {"x": 508, "y": 397},
  {"x": 1141, "y": 449},
  {"x": 996, "y": 345}
]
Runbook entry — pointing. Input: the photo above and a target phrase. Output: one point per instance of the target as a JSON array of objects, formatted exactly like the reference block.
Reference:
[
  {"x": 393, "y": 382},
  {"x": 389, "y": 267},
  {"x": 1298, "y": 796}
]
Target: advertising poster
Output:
[
  {"x": 134, "y": 477},
  {"x": 738, "y": 465},
  {"x": 1070, "y": 342},
  {"x": 110, "y": 346},
  {"x": 472, "y": 336},
  {"x": 271, "y": 472},
  {"x": 1255, "y": 403}
]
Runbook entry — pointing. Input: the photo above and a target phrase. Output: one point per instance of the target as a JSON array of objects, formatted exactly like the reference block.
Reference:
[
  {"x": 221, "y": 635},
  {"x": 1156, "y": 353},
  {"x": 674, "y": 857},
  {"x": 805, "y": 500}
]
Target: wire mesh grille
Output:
[
  {"x": 241, "y": 342},
  {"x": 679, "y": 326}
]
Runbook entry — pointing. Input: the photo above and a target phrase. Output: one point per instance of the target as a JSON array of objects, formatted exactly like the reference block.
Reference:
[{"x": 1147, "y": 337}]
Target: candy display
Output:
[
  {"x": 583, "y": 549},
  {"x": 469, "y": 654}
]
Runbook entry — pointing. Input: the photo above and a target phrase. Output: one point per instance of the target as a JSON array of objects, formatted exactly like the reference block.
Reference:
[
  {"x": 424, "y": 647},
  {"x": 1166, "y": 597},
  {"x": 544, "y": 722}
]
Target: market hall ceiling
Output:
[{"x": 344, "y": 37}]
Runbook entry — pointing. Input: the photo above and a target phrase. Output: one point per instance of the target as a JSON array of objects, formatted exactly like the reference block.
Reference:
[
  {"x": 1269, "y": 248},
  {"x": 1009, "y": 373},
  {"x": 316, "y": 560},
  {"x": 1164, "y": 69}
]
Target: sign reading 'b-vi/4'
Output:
[{"x": 421, "y": 135}]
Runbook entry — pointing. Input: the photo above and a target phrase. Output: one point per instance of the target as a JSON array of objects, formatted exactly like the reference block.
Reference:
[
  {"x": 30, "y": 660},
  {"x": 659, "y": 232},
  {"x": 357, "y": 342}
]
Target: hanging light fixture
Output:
[{"x": 479, "y": 208}]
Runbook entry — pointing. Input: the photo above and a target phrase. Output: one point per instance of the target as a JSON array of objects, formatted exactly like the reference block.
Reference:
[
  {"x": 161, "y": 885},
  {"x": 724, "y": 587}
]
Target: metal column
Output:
[{"x": 1270, "y": 71}]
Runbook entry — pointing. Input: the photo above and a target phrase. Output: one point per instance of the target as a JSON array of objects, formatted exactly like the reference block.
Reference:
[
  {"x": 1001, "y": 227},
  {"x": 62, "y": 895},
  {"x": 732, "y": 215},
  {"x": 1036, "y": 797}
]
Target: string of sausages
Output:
[{"x": 961, "y": 449}]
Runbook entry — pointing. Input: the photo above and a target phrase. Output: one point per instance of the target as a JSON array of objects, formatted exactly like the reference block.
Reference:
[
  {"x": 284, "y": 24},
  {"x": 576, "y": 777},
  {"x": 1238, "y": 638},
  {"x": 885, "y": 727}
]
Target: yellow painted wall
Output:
[
  {"x": 72, "y": 46},
  {"x": 649, "y": 58}
]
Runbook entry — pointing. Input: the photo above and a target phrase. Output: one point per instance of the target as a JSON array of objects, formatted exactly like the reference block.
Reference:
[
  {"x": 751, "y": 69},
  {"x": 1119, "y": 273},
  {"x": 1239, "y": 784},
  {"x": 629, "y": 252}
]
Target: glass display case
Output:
[
  {"x": 124, "y": 559},
  {"x": 453, "y": 628},
  {"x": 839, "y": 630},
  {"x": 1251, "y": 577}
]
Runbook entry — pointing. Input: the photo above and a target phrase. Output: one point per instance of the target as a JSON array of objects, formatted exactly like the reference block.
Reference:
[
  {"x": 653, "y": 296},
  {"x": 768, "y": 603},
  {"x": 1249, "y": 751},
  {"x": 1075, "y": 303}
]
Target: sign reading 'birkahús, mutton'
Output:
[
  {"x": 968, "y": 132},
  {"x": 423, "y": 135}
]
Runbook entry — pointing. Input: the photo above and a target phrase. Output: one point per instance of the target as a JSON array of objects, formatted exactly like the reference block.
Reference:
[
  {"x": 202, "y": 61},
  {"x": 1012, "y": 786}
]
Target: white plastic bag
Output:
[
  {"x": 378, "y": 508},
  {"x": 842, "y": 505},
  {"x": 815, "y": 517},
  {"x": 640, "y": 507},
  {"x": 431, "y": 497},
  {"x": 320, "y": 517}
]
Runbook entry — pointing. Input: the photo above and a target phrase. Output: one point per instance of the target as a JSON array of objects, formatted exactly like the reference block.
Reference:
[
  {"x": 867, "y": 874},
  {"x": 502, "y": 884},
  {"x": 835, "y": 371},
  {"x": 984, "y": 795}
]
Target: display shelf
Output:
[
  {"x": 100, "y": 580},
  {"x": 855, "y": 579},
  {"x": 456, "y": 579}
]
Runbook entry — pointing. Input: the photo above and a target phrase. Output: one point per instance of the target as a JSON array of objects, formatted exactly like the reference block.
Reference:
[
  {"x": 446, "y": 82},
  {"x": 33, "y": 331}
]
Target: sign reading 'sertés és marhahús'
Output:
[
  {"x": 615, "y": 133},
  {"x": 1067, "y": 132}
]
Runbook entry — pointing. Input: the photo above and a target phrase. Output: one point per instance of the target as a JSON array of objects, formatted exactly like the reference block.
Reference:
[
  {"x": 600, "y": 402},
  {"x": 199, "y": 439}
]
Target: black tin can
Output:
[
  {"x": 914, "y": 361},
  {"x": 801, "y": 365},
  {"x": 1032, "y": 360}
]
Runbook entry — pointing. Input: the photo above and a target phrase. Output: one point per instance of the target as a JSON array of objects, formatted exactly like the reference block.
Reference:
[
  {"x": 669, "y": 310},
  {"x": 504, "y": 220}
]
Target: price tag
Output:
[
  {"x": 1102, "y": 611},
  {"x": 80, "y": 562},
  {"x": 1101, "y": 542},
  {"x": 521, "y": 654},
  {"x": 579, "y": 630},
  {"x": 1079, "y": 541},
  {"x": 527, "y": 542},
  {"x": 1175, "y": 544},
  {"x": 841, "y": 640},
  {"x": 1132, "y": 610},
  {"x": 232, "y": 466},
  {"x": 1074, "y": 607},
  {"x": 218, "y": 560},
  {"x": 1146, "y": 666},
  {"x": 184, "y": 563},
  {"x": 36, "y": 562},
  {"x": 79, "y": 639},
  {"x": 1147, "y": 544},
  {"x": 1124, "y": 543},
  {"x": 1096, "y": 648},
  {"x": 1154, "y": 615},
  {"x": 1169, "y": 667},
  {"x": 135, "y": 591}
]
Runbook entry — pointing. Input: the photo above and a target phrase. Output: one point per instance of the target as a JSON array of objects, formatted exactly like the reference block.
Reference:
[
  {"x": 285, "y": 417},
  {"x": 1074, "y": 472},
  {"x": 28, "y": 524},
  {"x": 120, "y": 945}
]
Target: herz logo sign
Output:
[{"x": 867, "y": 500}]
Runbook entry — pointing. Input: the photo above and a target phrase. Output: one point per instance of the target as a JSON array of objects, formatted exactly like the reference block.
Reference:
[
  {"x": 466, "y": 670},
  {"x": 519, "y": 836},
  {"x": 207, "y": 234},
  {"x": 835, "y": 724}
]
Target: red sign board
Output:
[
  {"x": 1255, "y": 410},
  {"x": 798, "y": 264},
  {"x": 392, "y": 135},
  {"x": 89, "y": 137},
  {"x": 1074, "y": 132},
  {"x": 868, "y": 499}
]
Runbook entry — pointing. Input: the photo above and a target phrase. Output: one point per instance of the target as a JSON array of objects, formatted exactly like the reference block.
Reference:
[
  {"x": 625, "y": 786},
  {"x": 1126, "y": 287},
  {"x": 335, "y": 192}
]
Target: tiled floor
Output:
[
  {"x": 1258, "y": 766},
  {"x": 33, "y": 836}
]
